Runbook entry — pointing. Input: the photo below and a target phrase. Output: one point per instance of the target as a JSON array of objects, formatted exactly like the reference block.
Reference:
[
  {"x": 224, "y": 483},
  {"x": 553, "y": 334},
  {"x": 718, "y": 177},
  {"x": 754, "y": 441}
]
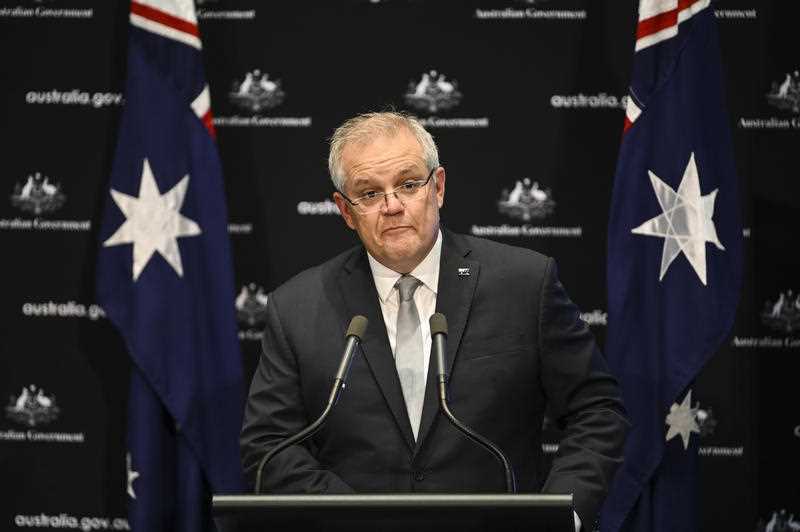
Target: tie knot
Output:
[{"x": 407, "y": 285}]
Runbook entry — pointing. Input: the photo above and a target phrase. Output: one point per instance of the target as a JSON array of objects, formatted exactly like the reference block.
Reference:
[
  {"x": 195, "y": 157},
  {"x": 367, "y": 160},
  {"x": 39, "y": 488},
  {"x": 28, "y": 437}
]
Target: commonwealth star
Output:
[
  {"x": 685, "y": 223},
  {"x": 682, "y": 420},
  {"x": 153, "y": 222}
]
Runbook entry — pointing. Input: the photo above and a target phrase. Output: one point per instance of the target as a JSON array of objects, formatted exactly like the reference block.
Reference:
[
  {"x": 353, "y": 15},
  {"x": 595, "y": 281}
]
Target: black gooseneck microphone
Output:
[
  {"x": 439, "y": 338},
  {"x": 358, "y": 325}
]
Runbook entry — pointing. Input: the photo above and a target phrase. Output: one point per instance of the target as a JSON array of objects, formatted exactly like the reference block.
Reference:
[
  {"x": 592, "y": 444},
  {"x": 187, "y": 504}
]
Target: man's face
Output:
[{"x": 398, "y": 235}]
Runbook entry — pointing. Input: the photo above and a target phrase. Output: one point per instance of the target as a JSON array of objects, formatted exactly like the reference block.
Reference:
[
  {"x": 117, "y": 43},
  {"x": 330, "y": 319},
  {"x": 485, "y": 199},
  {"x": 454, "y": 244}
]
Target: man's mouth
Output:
[{"x": 398, "y": 229}]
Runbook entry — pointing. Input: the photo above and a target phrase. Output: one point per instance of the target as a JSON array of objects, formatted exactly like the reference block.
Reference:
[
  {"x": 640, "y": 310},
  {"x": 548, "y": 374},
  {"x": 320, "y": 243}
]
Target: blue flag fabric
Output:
[
  {"x": 165, "y": 279},
  {"x": 674, "y": 259}
]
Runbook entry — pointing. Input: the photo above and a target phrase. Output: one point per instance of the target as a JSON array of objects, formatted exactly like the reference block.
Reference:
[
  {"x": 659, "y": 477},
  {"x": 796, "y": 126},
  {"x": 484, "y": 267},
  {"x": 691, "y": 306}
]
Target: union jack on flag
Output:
[
  {"x": 165, "y": 278},
  {"x": 674, "y": 259}
]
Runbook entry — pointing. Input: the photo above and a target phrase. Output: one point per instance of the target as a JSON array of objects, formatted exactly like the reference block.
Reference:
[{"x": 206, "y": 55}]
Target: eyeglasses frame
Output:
[{"x": 386, "y": 194}]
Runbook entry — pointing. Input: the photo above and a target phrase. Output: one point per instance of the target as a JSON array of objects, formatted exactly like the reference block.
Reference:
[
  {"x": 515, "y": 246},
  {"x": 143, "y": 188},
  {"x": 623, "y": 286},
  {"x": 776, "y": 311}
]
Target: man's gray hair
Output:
[{"x": 367, "y": 126}]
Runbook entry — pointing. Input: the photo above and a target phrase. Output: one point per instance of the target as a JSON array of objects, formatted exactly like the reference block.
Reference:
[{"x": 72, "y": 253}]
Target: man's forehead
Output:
[
  {"x": 367, "y": 174},
  {"x": 382, "y": 141},
  {"x": 380, "y": 155}
]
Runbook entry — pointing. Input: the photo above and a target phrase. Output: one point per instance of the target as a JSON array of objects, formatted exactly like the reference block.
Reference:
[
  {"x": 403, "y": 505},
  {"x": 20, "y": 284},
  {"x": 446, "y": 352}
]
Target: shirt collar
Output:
[{"x": 426, "y": 271}]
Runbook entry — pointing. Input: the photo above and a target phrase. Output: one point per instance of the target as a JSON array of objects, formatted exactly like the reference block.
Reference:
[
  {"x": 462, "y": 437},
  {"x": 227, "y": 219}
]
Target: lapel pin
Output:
[{"x": 463, "y": 272}]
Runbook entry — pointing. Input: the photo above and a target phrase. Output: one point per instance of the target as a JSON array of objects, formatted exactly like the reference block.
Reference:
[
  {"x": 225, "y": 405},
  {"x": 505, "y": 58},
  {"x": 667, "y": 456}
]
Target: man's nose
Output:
[{"x": 393, "y": 204}]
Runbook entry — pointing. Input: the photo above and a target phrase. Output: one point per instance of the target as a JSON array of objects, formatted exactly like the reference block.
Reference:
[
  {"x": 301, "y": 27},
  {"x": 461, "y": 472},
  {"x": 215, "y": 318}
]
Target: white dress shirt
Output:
[{"x": 427, "y": 272}]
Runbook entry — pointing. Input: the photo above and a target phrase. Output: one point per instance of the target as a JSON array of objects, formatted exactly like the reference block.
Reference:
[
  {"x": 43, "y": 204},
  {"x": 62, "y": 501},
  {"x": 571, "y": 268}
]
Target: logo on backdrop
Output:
[
  {"x": 232, "y": 15},
  {"x": 526, "y": 201},
  {"x": 433, "y": 92},
  {"x": 251, "y": 305},
  {"x": 240, "y": 228},
  {"x": 78, "y": 97},
  {"x": 779, "y": 521},
  {"x": 251, "y": 311},
  {"x": 323, "y": 207},
  {"x": 256, "y": 92},
  {"x": 253, "y": 93},
  {"x": 32, "y": 407},
  {"x": 601, "y": 100},
  {"x": 783, "y": 314},
  {"x": 38, "y": 194},
  {"x": 784, "y": 95},
  {"x": 63, "y": 309},
  {"x": 706, "y": 421},
  {"x": 41, "y": 9},
  {"x": 735, "y": 14},
  {"x": 531, "y": 11},
  {"x": 595, "y": 318}
]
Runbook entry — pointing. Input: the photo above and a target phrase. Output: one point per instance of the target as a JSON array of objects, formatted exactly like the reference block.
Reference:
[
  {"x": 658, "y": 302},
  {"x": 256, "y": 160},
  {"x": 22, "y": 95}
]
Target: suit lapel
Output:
[
  {"x": 357, "y": 288},
  {"x": 458, "y": 277}
]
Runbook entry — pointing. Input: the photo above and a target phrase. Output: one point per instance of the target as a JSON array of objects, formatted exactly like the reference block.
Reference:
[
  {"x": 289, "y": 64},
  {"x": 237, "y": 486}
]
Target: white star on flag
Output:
[
  {"x": 685, "y": 223},
  {"x": 132, "y": 475},
  {"x": 153, "y": 222},
  {"x": 682, "y": 420}
]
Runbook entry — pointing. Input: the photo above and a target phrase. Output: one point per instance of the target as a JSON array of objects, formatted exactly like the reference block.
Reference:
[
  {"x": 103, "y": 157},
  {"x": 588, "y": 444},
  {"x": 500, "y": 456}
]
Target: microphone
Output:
[
  {"x": 356, "y": 330},
  {"x": 438, "y": 340}
]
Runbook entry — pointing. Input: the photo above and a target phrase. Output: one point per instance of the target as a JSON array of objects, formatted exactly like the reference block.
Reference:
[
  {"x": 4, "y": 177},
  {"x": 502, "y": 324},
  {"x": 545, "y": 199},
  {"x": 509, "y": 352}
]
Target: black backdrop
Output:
[{"x": 531, "y": 90}]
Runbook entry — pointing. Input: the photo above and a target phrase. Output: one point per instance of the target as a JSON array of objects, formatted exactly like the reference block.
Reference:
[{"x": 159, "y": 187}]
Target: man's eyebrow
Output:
[
  {"x": 410, "y": 169},
  {"x": 362, "y": 180}
]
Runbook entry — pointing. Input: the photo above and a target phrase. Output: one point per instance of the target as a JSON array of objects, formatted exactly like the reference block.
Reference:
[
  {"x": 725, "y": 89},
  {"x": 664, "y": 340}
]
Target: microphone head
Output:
[
  {"x": 438, "y": 324},
  {"x": 357, "y": 327}
]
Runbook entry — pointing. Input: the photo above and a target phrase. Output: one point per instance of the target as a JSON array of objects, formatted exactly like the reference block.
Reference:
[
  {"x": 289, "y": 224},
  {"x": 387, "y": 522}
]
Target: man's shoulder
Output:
[{"x": 492, "y": 252}]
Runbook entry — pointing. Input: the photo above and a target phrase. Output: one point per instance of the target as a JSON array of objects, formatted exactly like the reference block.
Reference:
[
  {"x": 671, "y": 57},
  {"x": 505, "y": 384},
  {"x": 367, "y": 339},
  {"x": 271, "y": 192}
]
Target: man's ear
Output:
[
  {"x": 344, "y": 209},
  {"x": 440, "y": 178}
]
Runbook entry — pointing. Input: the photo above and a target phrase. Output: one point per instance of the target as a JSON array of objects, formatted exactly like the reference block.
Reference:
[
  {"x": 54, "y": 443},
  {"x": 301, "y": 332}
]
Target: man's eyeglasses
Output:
[{"x": 372, "y": 201}]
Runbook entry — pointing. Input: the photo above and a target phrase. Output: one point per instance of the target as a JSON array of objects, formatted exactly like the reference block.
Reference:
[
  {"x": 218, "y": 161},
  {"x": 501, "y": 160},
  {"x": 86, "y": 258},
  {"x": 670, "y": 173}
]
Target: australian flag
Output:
[
  {"x": 674, "y": 259},
  {"x": 165, "y": 279}
]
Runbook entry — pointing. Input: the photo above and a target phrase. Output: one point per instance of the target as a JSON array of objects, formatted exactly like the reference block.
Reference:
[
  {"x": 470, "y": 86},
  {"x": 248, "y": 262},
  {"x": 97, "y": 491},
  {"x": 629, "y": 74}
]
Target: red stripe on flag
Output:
[
  {"x": 156, "y": 15},
  {"x": 208, "y": 121},
  {"x": 657, "y": 23},
  {"x": 663, "y": 20},
  {"x": 627, "y": 125}
]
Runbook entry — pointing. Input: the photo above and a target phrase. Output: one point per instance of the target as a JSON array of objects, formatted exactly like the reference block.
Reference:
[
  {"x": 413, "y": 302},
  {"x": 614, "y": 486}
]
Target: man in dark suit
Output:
[{"x": 516, "y": 346}]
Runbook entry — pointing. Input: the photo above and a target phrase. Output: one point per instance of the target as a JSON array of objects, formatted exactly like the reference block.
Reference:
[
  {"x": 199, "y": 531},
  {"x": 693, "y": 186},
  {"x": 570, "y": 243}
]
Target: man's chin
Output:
[{"x": 399, "y": 252}]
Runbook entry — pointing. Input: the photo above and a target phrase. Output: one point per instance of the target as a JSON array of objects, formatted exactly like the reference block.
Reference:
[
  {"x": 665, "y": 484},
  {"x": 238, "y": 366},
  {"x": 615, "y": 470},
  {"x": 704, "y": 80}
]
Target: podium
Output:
[{"x": 401, "y": 512}]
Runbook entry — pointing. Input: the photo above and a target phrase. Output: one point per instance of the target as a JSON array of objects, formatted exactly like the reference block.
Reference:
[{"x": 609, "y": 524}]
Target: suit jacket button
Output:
[{"x": 419, "y": 476}]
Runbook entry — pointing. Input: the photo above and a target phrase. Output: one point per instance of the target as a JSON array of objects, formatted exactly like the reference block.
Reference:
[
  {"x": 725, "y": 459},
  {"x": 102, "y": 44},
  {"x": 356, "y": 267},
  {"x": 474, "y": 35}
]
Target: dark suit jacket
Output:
[{"x": 516, "y": 346}]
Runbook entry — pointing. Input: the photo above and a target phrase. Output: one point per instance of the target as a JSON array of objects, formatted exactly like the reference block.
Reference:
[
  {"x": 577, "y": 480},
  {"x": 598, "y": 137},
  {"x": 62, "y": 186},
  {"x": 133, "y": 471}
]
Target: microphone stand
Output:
[
  {"x": 355, "y": 331},
  {"x": 439, "y": 335}
]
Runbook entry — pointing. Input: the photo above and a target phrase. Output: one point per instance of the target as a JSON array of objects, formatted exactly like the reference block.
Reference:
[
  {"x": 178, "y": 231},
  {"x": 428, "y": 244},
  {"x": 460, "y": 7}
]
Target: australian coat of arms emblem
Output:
[
  {"x": 786, "y": 94},
  {"x": 32, "y": 407},
  {"x": 257, "y": 92},
  {"x": 782, "y": 315},
  {"x": 433, "y": 93},
  {"x": 251, "y": 305},
  {"x": 526, "y": 201},
  {"x": 38, "y": 195}
]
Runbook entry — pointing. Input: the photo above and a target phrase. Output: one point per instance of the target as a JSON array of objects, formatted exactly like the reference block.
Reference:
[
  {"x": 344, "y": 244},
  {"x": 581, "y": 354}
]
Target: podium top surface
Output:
[
  {"x": 395, "y": 512},
  {"x": 392, "y": 500}
]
